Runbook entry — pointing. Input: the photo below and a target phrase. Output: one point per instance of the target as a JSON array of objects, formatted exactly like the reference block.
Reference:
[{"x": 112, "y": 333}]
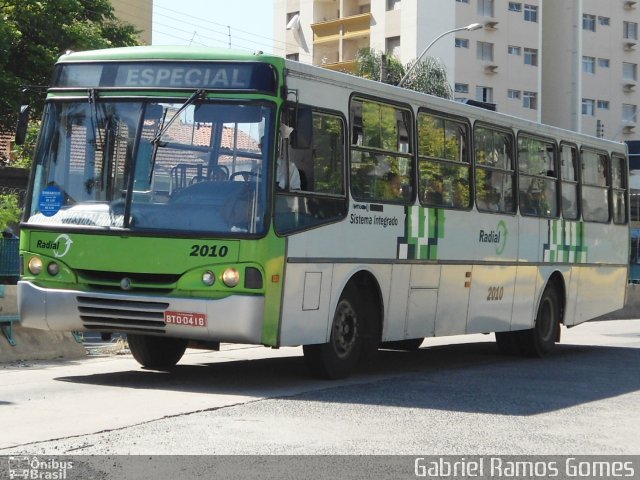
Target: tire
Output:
[
  {"x": 541, "y": 339},
  {"x": 409, "y": 345},
  {"x": 338, "y": 358},
  {"x": 156, "y": 353}
]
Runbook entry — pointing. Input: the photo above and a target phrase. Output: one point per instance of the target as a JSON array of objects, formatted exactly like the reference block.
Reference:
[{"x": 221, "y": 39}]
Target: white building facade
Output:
[{"x": 569, "y": 63}]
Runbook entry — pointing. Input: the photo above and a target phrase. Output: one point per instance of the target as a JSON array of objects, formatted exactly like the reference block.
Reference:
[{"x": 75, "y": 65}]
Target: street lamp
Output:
[{"x": 469, "y": 28}]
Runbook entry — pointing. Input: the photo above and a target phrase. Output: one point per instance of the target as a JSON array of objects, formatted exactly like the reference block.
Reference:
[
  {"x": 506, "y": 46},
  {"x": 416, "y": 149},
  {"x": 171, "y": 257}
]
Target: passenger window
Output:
[
  {"x": 444, "y": 170},
  {"x": 538, "y": 187},
  {"x": 595, "y": 186},
  {"x": 619, "y": 189},
  {"x": 320, "y": 169},
  {"x": 569, "y": 176},
  {"x": 495, "y": 172},
  {"x": 381, "y": 160}
]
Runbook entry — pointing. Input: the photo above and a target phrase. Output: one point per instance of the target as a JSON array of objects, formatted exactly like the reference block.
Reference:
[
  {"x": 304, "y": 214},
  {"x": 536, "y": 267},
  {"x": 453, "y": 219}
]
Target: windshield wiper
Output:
[
  {"x": 92, "y": 96},
  {"x": 196, "y": 95}
]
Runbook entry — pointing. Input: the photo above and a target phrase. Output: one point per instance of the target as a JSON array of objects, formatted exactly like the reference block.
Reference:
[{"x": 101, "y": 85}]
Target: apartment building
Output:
[
  {"x": 138, "y": 13},
  {"x": 570, "y": 63}
]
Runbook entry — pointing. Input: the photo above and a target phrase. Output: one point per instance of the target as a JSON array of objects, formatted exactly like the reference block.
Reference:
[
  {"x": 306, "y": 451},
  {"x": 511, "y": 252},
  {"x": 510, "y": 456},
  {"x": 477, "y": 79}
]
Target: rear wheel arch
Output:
[{"x": 355, "y": 331}]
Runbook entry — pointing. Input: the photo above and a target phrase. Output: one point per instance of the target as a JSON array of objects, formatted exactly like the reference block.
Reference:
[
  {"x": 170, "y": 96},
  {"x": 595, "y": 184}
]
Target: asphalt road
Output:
[{"x": 455, "y": 396}]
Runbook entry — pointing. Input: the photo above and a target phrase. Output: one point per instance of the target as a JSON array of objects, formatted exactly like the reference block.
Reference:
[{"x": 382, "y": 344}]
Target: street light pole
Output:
[{"x": 470, "y": 28}]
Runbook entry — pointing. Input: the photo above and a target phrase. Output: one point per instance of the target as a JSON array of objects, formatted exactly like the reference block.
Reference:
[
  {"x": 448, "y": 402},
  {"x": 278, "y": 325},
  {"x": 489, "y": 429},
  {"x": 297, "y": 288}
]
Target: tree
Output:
[
  {"x": 34, "y": 33},
  {"x": 429, "y": 76},
  {"x": 370, "y": 65}
]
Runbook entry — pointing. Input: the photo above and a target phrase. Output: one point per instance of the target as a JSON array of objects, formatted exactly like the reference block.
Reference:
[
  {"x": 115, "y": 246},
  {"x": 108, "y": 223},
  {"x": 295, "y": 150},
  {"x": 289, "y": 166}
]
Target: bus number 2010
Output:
[
  {"x": 208, "y": 251},
  {"x": 495, "y": 293}
]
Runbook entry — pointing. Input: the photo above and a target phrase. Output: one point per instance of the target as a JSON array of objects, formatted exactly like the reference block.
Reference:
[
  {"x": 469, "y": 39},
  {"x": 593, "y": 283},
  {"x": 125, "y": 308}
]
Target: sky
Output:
[{"x": 243, "y": 24}]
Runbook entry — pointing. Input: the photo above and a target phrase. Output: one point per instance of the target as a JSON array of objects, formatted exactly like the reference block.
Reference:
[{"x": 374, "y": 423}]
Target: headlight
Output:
[
  {"x": 53, "y": 269},
  {"x": 208, "y": 278},
  {"x": 231, "y": 277},
  {"x": 35, "y": 265}
]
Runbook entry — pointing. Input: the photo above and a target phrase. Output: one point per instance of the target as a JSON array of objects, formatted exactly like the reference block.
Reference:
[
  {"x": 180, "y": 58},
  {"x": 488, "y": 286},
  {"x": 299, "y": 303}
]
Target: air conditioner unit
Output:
[
  {"x": 491, "y": 69},
  {"x": 491, "y": 25},
  {"x": 629, "y": 87}
]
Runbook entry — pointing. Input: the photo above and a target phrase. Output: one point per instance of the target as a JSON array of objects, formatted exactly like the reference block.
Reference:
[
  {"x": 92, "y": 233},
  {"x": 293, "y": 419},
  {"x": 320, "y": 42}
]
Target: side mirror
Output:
[
  {"x": 303, "y": 129},
  {"x": 23, "y": 123}
]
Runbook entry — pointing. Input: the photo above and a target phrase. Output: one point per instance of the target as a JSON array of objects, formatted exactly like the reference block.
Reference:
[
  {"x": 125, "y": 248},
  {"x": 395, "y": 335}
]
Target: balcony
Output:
[
  {"x": 348, "y": 66},
  {"x": 347, "y": 28}
]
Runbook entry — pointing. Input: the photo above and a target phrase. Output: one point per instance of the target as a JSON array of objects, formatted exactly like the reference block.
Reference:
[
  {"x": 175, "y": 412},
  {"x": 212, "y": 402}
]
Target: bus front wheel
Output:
[
  {"x": 540, "y": 340},
  {"x": 339, "y": 357},
  {"x": 156, "y": 353}
]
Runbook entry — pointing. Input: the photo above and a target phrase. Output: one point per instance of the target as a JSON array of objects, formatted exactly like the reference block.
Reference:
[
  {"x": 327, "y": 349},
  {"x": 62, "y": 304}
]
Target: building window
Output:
[
  {"x": 462, "y": 88},
  {"x": 589, "y": 64},
  {"x": 513, "y": 94},
  {"x": 588, "y": 107},
  {"x": 531, "y": 56},
  {"x": 603, "y": 62},
  {"x": 462, "y": 1},
  {"x": 530, "y": 13},
  {"x": 515, "y": 7},
  {"x": 485, "y": 51},
  {"x": 628, "y": 113},
  {"x": 530, "y": 100},
  {"x": 603, "y": 104},
  {"x": 513, "y": 50},
  {"x": 629, "y": 71},
  {"x": 391, "y": 5},
  {"x": 589, "y": 22},
  {"x": 630, "y": 30},
  {"x": 290, "y": 16},
  {"x": 462, "y": 43},
  {"x": 604, "y": 21},
  {"x": 484, "y": 94},
  {"x": 485, "y": 8},
  {"x": 393, "y": 46}
]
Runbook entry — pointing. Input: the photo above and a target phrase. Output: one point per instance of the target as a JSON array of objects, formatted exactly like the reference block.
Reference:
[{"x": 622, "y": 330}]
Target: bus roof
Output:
[{"x": 168, "y": 53}]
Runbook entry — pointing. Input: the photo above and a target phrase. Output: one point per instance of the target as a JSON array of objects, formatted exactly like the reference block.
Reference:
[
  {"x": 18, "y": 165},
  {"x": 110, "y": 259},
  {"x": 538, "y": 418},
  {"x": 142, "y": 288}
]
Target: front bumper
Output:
[{"x": 237, "y": 319}]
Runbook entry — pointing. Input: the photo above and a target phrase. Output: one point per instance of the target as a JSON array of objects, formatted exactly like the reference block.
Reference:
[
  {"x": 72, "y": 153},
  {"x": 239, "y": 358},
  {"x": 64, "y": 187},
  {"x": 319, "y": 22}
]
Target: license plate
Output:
[{"x": 187, "y": 319}]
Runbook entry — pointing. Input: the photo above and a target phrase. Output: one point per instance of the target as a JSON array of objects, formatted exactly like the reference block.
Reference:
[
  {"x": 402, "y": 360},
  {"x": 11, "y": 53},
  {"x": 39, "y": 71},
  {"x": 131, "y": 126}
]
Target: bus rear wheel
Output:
[
  {"x": 156, "y": 353},
  {"x": 339, "y": 357},
  {"x": 540, "y": 340}
]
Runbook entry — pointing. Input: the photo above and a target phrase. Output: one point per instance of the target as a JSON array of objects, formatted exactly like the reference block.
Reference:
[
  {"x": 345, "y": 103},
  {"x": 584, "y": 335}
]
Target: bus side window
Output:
[
  {"x": 381, "y": 162},
  {"x": 538, "y": 192},
  {"x": 321, "y": 197},
  {"x": 495, "y": 171},
  {"x": 595, "y": 186},
  {"x": 569, "y": 176},
  {"x": 619, "y": 189},
  {"x": 444, "y": 168}
]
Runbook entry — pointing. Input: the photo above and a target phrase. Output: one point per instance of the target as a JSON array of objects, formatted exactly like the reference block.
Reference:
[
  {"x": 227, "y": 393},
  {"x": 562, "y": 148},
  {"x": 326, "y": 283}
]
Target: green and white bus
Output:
[{"x": 192, "y": 196}]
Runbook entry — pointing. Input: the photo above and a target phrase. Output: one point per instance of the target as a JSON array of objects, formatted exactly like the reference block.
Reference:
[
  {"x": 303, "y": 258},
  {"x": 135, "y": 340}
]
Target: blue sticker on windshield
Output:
[{"x": 50, "y": 201}]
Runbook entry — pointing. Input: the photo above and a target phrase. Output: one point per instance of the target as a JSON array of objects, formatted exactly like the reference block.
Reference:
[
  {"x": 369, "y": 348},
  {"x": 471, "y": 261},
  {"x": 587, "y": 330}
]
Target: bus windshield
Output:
[{"x": 191, "y": 167}]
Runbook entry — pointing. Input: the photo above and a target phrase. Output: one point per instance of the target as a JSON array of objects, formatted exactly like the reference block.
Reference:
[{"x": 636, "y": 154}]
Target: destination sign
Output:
[{"x": 208, "y": 75}]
